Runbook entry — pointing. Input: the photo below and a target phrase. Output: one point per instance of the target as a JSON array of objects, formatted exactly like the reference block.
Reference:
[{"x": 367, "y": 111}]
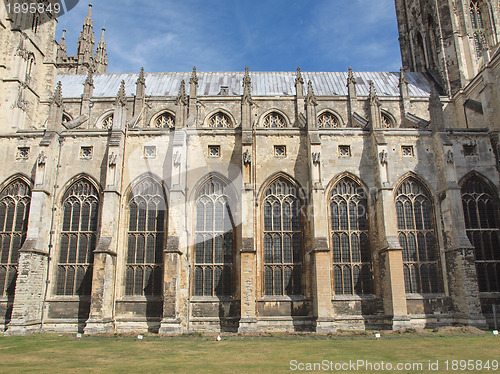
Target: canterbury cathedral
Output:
[{"x": 251, "y": 201}]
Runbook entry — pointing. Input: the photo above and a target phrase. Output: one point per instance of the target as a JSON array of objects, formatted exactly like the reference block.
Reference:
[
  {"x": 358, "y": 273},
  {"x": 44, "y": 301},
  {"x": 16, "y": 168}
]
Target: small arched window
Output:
[
  {"x": 387, "y": 121},
  {"x": 220, "y": 120},
  {"x": 478, "y": 27},
  {"x": 282, "y": 240},
  {"x": 274, "y": 120},
  {"x": 29, "y": 68},
  {"x": 14, "y": 210},
  {"x": 352, "y": 270},
  {"x": 417, "y": 236},
  {"x": 327, "y": 120},
  {"x": 214, "y": 241},
  {"x": 145, "y": 239},
  {"x": 107, "y": 122},
  {"x": 165, "y": 121},
  {"x": 78, "y": 239},
  {"x": 480, "y": 204}
]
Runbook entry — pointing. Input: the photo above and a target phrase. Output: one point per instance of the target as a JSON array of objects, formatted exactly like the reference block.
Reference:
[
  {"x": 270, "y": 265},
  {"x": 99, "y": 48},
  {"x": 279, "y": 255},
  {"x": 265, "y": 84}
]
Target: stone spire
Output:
[
  {"x": 182, "y": 97},
  {"x": 374, "y": 100},
  {"x": 121, "y": 97},
  {"x": 101, "y": 57},
  {"x": 351, "y": 80},
  {"x": 88, "y": 85},
  {"x": 193, "y": 96},
  {"x": 58, "y": 99},
  {"x": 86, "y": 43},
  {"x": 247, "y": 88},
  {"x": 194, "y": 77},
  {"x": 299, "y": 84},
  {"x": 140, "y": 85},
  {"x": 311, "y": 97},
  {"x": 62, "y": 48}
]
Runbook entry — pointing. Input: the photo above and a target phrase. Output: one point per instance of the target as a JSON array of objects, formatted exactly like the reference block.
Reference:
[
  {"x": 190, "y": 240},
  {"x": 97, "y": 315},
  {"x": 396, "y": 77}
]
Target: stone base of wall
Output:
[
  {"x": 143, "y": 325},
  {"x": 99, "y": 327},
  {"x": 170, "y": 327},
  {"x": 23, "y": 328}
]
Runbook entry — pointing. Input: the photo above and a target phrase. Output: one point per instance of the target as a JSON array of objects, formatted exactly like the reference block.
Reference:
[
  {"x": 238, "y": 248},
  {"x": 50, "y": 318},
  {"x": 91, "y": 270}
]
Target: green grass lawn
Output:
[{"x": 52, "y": 353}]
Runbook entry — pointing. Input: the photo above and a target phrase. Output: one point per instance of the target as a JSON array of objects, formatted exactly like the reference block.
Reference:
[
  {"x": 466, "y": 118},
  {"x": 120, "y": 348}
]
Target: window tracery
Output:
[
  {"x": 352, "y": 269},
  {"x": 478, "y": 27},
  {"x": 220, "y": 120},
  {"x": 387, "y": 121},
  {"x": 417, "y": 236},
  {"x": 14, "y": 210},
  {"x": 78, "y": 239},
  {"x": 107, "y": 122},
  {"x": 328, "y": 120},
  {"x": 165, "y": 121},
  {"x": 274, "y": 120},
  {"x": 481, "y": 222},
  {"x": 145, "y": 239},
  {"x": 282, "y": 240},
  {"x": 214, "y": 241}
]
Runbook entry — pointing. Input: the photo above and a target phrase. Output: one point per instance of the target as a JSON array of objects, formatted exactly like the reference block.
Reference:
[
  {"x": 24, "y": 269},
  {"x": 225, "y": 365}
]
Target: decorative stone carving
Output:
[
  {"x": 42, "y": 159},
  {"x": 112, "y": 159},
  {"x": 383, "y": 157},
  {"x": 247, "y": 158},
  {"x": 449, "y": 157},
  {"x": 316, "y": 158},
  {"x": 177, "y": 158}
]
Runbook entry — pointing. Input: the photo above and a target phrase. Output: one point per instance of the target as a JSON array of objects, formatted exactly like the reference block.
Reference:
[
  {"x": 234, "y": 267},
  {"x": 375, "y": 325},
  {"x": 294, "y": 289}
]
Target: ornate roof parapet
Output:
[{"x": 247, "y": 88}]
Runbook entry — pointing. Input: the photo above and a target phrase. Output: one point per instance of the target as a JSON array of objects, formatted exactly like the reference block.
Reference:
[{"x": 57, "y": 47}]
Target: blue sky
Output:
[{"x": 227, "y": 35}]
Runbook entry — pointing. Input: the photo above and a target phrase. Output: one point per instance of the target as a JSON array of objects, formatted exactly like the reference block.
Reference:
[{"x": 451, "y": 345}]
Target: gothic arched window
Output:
[
  {"x": 107, "y": 122},
  {"x": 78, "y": 239},
  {"x": 478, "y": 27},
  {"x": 213, "y": 266},
  {"x": 274, "y": 120},
  {"x": 417, "y": 236},
  {"x": 481, "y": 222},
  {"x": 387, "y": 121},
  {"x": 220, "y": 119},
  {"x": 145, "y": 239},
  {"x": 328, "y": 120},
  {"x": 14, "y": 211},
  {"x": 352, "y": 270},
  {"x": 282, "y": 239},
  {"x": 165, "y": 121}
]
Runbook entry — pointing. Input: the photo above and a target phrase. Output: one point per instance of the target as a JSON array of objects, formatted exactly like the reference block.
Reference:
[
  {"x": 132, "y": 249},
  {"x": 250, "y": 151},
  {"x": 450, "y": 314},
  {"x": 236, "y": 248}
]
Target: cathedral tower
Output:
[{"x": 451, "y": 40}]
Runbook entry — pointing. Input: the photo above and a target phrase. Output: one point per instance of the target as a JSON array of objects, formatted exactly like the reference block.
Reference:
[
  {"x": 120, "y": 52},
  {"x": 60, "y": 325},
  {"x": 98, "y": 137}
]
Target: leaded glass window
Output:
[
  {"x": 352, "y": 269},
  {"x": 165, "y": 121},
  {"x": 387, "y": 121},
  {"x": 282, "y": 240},
  {"x": 481, "y": 221},
  {"x": 107, "y": 122},
  {"x": 14, "y": 211},
  {"x": 328, "y": 120},
  {"x": 274, "y": 120},
  {"x": 417, "y": 236},
  {"x": 78, "y": 239},
  {"x": 214, "y": 241},
  {"x": 478, "y": 27},
  {"x": 145, "y": 239},
  {"x": 220, "y": 120}
]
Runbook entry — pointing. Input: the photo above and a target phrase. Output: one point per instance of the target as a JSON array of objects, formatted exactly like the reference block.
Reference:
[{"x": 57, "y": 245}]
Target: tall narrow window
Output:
[
  {"x": 352, "y": 270},
  {"x": 481, "y": 221},
  {"x": 14, "y": 210},
  {"x": 417, "y": 236},
  {"x": 478, "y": 27},
  {"x": 78, "y": 239},
  {"x": 214, "y": 241},
  {"x": 146, "y": 238},
  {"x": 282, "y": 240}
]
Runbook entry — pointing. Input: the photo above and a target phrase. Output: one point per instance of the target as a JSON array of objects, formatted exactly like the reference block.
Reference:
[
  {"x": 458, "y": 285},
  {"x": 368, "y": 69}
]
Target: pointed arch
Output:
[
  {"x": 15, "y": 199},
  {"x": 417, "y": 236},
  {"x": 219, "y": 118},
  {"x": 164, "y": 119},
  {"x": 274, "y": 118},
  {"x": 214, "y": 238},
  {"x": 328, "y": 118},
  {"x": 78, "y": 237},
  {"x": 480, "y": 204},
  {"x": 479, "y": 12},
  {"x": 349, "y": 237},
  {"x": 282, "y": 236},
  {"x": 146, "y": 233}
]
